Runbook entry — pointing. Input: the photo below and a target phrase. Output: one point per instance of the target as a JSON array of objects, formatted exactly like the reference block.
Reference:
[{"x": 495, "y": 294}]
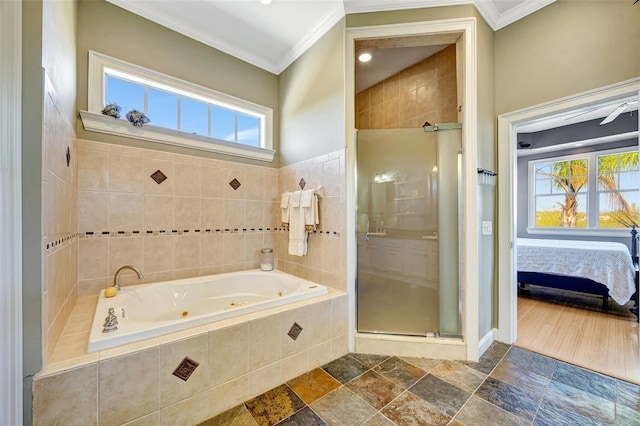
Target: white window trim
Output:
[
  {"x": 94, "y": 120},
  {"x": 592, "y": 191}
]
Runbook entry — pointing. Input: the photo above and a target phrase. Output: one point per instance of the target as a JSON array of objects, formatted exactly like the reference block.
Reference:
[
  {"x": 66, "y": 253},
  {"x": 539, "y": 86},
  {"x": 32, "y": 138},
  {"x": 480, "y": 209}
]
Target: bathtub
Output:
[{"x": 151, "y": 310}]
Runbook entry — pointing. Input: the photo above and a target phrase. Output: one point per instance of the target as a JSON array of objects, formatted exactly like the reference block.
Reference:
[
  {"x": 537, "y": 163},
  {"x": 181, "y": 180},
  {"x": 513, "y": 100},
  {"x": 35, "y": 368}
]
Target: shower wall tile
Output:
[
  {"x": 158, "y": 212},
  {"x": 124, "y": 251},
  {"x": 186, "y": 213},
  {"x": 93, "y": 170},
  {"x": 157, "y": 254},
  {"x": 93, "y": 255},
  {"x": 166, "y": 166},
  {"x": 264, "y": 342},
  {"x": 187, "y": 180},
  {"x": 211, "y": 250},
  {"x": 426, "y": 91},
  {"x": 186, "y": 252}
]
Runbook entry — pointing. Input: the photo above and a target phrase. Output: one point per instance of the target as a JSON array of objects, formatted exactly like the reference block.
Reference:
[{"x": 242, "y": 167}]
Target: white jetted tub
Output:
[{"x": 150, "y": 310}]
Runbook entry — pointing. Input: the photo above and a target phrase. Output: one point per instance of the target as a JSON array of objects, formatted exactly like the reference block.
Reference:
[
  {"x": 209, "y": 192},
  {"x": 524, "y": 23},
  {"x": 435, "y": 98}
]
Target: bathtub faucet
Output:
[{"x": 116, "y": 277}]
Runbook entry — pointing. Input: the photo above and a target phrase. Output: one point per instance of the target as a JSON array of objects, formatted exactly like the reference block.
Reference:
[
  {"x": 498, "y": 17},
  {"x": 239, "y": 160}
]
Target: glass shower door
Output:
[{"x": 400, "y": 239}]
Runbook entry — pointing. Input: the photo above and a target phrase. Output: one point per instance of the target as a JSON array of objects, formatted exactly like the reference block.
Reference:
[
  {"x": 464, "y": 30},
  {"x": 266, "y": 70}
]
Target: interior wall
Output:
[
  {"x": 565, "y": 48},
  {"x": 312, "y": 100},
  {"x": 487, "y": 194},
  {"x": 426, "y": 91},
  {"x": 113, "y": 31}
]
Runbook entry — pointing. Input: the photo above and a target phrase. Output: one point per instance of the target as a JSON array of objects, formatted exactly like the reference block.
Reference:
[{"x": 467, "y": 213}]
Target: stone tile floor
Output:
[{"x": 508, "y": 386}]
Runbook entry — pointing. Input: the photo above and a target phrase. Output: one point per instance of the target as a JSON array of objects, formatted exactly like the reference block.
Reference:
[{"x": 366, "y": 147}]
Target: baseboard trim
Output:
[{"x": 487, "y": 340}]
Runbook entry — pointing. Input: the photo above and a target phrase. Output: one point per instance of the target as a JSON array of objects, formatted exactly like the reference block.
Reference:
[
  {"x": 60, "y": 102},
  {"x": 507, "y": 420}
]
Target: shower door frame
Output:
[{"x": 467, "y": 28}]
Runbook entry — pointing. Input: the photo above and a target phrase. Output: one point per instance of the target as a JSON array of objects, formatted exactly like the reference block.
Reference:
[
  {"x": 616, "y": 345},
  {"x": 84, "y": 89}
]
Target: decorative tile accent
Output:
[
  {"x": 68, "y": 156},
  {"x": 235, "y": 184},
  {"x": 295, "y": 331},
  {"x": 302, "y": 183},
  {"x": 158, "y": 176},
  {"x": 185, "y": 369}
]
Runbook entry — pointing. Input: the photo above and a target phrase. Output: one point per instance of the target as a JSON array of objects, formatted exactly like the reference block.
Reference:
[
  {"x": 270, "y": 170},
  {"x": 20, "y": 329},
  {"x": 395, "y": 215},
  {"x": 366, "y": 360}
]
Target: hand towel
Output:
[
  {"x": 306, "y": 197},
  {"x": 310, "y": 210},
  {"x": 295, "y": 199},
  {"x": 285, "y": 209},
  {"x": 297, "y": 232}
]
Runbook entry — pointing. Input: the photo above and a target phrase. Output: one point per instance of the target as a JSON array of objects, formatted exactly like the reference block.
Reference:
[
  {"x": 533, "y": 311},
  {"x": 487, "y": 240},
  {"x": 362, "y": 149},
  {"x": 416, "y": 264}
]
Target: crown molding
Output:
[{"x": 275, "y": 64}]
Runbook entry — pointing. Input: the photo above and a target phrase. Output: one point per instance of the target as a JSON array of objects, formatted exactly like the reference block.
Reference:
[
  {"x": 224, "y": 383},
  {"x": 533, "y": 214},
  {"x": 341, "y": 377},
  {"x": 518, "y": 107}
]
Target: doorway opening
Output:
[{"x": 510, "y": 214}]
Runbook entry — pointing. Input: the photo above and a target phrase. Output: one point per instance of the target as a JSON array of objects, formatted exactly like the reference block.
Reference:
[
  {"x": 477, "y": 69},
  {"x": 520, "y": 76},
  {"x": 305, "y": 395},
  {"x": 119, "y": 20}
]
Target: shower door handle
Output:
[{"x": 366, "y": 235}]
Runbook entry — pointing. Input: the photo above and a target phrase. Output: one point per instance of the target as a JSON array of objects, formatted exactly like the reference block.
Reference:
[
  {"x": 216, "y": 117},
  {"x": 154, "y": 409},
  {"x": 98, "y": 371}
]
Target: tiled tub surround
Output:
[
  {"x": 194, "y": 222},
  {"x": 59, "y": 220},
  {"x": 237, "y": 359}
]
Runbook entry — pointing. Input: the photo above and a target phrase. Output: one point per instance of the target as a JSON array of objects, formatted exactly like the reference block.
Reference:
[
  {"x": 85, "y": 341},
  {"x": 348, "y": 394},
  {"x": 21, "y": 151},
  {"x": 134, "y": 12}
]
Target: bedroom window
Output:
[
  {"x": 181, "y": 113},
  {"x": 592, "y": 191}
]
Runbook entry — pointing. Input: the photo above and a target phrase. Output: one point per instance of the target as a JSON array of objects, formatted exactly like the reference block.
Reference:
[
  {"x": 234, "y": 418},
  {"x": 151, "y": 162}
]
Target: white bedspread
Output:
[{"x": 604, "y": 262}]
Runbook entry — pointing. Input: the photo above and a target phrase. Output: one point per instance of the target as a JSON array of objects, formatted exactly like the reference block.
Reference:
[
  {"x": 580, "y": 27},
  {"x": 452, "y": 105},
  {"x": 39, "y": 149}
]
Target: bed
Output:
[{"x": 601, "y": 268}]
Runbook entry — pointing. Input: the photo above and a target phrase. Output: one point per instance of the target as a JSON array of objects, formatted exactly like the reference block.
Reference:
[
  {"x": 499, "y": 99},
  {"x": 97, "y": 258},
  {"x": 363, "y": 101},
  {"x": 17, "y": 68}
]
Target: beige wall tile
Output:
[
  {"x": 233, "y": 248},
  {"x": 320, "y": 355},
  {"x": 188, "y": 180},
  {"x": 174, "y": 389},
  {"x": 125, "y": 251},
  {"x": 212, "y": 181},
  {"x": 93, "y": 259},
  {"x": 318, "y": 328},
  {"x": 253, "y": 243},
  {"x": 128, "y": 386},
  {"x": 186, "y": 251},
  {"x": 186, "y": 213},
  {"x": 265, "y": 338},
  {"x": 126, "y": 173},
  {"x": 93, "y": 211},
  {"x": 227, "y": 395},
  {"x": 254, "y": 214},
  {"x": 295, "y": 365},
  {"x": 157, "y": 254},
  {"x": 260, "y": 381},
  {"x": 288, "y": 318},
  {"x": 52, "y": 396},
  {"x": 152, "y": 419},
  {"x": 212, "y": 213},
  {"x": 239, "y": 175},
  {"x": 93, "y": 170},
  {"x": 210, "y": 250},
  {"x": 339, "y": 316},
  {"x": 234, "y": 214},
  {"x": 229, "y": 355},
  {"x": 126, "y": 212},
  {"x": 150, "y": 166},
  {"x": 191, "y": 411},
  {"x": 271, "y": 192},
  {"x": 158, "y": 212},
  {"x": 255, "y": 185}
]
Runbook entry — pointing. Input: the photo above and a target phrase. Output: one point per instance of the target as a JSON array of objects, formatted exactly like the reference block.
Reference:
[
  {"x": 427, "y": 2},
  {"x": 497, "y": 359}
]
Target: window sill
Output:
[
  {"x": 582, "y": 232},
  {"x": 103, "y": 124}
]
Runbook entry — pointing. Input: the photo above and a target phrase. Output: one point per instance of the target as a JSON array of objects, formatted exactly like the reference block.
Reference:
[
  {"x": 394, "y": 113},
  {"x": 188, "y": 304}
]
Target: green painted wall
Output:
[
  {"x": 312, "y": 100},
  {"x": 113, "y": 31},
  {"x": 566, "y": 48}
]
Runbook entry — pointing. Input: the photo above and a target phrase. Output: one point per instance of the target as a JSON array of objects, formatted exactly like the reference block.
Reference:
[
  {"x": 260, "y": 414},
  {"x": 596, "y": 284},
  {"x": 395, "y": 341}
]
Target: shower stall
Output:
[{"x": 408, "y": 192}]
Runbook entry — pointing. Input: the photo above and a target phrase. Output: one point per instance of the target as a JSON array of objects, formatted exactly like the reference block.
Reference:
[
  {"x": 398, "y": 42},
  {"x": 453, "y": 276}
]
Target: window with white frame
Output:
[
  {"x": 180, "y": 113},
  {"x": 592, "y": 191}
]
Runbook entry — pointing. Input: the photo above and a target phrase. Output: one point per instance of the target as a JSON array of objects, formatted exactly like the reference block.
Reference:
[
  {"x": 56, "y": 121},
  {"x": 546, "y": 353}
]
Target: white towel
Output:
[
  {"x": 306, "y": 197},
  {"x": 295, "y": 199},
  {"x": 285, "y": 208},
  {"x": 311, "y": 218},
  {"x": 297, "y": 232}
]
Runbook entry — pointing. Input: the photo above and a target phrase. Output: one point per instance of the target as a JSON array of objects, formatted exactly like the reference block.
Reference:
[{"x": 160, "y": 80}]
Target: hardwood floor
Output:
[{"x": 598, "y": 341}]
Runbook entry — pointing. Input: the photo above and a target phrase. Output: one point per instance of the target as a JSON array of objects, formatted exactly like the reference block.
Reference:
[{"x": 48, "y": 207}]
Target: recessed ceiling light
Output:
[
  {"x": 364, "y": 57},
  {"x": 265, "y": 1}
]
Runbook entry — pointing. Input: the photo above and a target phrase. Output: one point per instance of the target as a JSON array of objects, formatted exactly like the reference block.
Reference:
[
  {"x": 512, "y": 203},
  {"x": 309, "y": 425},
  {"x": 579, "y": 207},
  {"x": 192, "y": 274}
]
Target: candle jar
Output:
[{"x": 266, "y": 259}]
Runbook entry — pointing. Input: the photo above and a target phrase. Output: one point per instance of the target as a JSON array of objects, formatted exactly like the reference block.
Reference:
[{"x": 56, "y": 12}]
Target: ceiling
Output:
[
  {"x": 584, "y": 113},
  {"x": 273, "y": 36}
]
